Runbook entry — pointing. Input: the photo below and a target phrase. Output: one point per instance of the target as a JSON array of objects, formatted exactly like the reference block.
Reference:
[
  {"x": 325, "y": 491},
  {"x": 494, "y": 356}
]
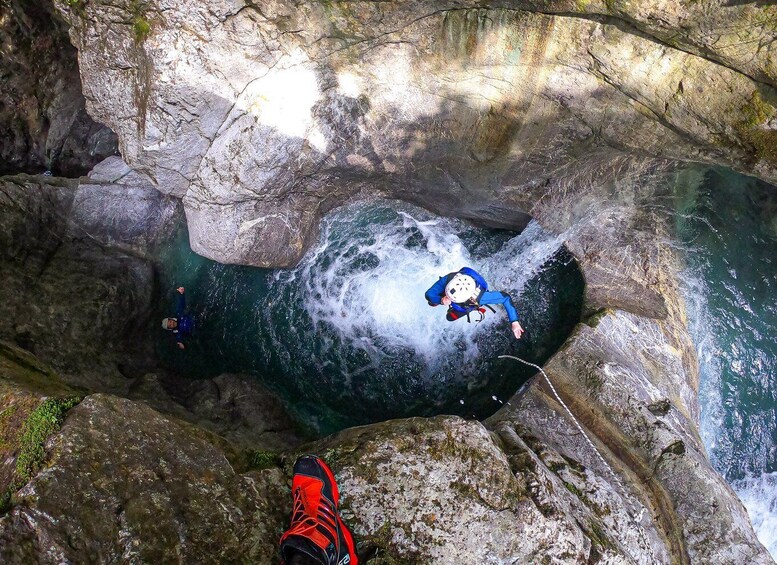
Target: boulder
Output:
[
  {"x": 76, "y": 259},
  {"x": 235, "y": 407},
  {"x": 125, "y": 484}
]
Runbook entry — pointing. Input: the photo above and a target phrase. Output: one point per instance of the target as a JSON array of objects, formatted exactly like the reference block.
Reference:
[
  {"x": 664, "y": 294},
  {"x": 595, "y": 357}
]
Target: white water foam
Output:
[
  {"x": 370, "y": 290},
  {"x": 759, "y": 495},
  {"x": 695, "y": 293}
]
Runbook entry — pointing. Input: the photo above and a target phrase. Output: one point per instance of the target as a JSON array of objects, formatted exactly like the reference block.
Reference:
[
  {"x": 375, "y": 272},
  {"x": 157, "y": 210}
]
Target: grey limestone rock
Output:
[
  {"x": 43, "y": 120},
  {"x": 76, "y": 260},
  {"x": 263, "y": 118},
  {"x": 127, "y": 485},
  {"x": 441, "y": 490},
  {"x": 236, "y": 407}
]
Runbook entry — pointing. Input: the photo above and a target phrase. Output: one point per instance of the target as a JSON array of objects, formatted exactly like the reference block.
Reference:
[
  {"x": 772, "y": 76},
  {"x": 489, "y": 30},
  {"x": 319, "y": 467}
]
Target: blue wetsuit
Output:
[
  {"x": 185, "y": 321},
  {"x": 455, "y": 311}
]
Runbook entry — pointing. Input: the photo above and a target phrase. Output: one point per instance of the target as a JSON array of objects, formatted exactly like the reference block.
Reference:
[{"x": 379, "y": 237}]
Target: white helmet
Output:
[{"x": 461, "y": 288}]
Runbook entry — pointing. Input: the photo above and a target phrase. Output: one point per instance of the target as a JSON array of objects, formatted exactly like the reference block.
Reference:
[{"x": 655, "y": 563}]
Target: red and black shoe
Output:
[{"x": 317, "y": 534}]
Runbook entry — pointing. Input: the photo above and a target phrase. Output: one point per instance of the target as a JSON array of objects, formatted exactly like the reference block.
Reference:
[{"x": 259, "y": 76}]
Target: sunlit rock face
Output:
[
  {"x": 630, "y": 376},
  {"x": 263, "y": 118}
]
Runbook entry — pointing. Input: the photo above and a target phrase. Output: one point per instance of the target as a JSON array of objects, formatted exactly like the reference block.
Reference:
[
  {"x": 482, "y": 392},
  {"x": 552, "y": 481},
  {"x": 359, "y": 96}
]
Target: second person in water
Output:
[{"x": 465, "y": 293}]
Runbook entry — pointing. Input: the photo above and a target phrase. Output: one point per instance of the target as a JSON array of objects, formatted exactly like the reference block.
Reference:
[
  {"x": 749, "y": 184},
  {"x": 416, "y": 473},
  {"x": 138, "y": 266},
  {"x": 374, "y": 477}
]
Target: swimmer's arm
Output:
[
  {"x": 181, "y": 306},
  {"x": 492, "y": 297},
  {"x": 436, "y": 292}
]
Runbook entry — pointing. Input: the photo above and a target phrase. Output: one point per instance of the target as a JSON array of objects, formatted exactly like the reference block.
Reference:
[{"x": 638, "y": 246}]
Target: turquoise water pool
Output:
[{"x": 347, "y": 337}]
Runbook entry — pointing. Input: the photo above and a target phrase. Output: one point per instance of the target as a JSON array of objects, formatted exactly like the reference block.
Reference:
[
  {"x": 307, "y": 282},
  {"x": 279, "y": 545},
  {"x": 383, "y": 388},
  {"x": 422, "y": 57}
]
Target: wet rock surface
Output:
[
  {"x": 234, "y": 406},
  {"x": 75, "y": 260},
  {"x": 125, "y": 484},
  {"x": 485, "y": 114}
]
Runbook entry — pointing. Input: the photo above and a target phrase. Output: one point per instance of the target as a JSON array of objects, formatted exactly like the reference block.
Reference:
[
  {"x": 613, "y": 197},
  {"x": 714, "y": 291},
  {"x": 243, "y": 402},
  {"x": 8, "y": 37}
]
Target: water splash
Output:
[
  {"x": 347, "y": 336},
  {"x": 369, "y": 289},
  {"x": 759, "y": 495}
]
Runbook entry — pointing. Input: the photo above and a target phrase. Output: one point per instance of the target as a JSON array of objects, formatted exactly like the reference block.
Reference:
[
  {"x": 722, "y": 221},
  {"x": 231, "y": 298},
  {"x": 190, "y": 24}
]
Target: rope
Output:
[
  {"x": 577, "y": 424},
  {"x": 634, "y": 520}
]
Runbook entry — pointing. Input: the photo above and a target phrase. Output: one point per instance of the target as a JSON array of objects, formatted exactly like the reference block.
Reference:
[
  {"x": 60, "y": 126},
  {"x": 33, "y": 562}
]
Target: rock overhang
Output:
[{"x": 264, "y": 120}]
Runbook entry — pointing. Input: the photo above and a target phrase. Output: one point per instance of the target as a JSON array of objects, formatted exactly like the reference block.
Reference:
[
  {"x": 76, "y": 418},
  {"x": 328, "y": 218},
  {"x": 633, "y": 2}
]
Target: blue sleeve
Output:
[
  {"x": 437, "y": 291},
  {"x": 181, "y": 306},
  {"x": 491, "y": 297}
]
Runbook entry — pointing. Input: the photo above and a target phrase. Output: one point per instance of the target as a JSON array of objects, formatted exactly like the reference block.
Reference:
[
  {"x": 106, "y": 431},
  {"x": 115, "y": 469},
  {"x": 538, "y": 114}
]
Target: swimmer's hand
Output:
[
  {"x": 181, "y": 345},
  {"x": 517, "y": 329}
]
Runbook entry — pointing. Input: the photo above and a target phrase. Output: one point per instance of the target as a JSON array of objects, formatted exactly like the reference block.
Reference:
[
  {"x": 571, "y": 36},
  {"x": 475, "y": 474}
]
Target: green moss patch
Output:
[
  {"x": 76, "y": 5},
  {"x": 260, "y": 459},
  {"x": 594, "y": 319},
  {"x": 140, "y": 24},
  {"x": 757, "y": 112},
  {"x": 43, "y": 421},
  {"x": 142, "y": 28}
]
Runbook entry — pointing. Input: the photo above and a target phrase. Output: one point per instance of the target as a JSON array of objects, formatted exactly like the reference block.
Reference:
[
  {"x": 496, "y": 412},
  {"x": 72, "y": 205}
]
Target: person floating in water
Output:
[
  {"x": 183, "y": 323},
  {"x": 317, "y": 534},
  {"x": 465, "y": 293}
]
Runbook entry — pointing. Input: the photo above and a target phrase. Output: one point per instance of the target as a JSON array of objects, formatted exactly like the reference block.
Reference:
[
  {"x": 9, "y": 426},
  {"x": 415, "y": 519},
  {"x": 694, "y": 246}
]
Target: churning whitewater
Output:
[
  {"x": 729, "y": 286},
  {"x": 347, "y": 336}
]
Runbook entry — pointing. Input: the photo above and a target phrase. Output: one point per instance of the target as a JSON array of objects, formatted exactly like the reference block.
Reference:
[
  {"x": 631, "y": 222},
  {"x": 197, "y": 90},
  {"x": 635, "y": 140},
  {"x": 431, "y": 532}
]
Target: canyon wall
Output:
[{"x": 261, "y": 118}]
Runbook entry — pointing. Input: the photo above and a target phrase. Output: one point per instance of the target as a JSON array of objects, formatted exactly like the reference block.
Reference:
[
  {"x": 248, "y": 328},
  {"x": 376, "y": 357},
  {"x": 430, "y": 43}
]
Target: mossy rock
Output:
[
  {"x": 260, "y": 459},
  {"x": 42, "y": 422},
  {"x": 26, "y": 442},
  {"x": 753, "y": 129},
  {"x": 21, "y": 370},
  {"x": 33, "y": 403}
]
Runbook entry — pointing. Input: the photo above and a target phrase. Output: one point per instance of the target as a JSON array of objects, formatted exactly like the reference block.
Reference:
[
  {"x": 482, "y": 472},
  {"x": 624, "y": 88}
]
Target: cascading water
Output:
[
  {"x": 727, "y": 223},
  {"x": 347, "y": 337}
]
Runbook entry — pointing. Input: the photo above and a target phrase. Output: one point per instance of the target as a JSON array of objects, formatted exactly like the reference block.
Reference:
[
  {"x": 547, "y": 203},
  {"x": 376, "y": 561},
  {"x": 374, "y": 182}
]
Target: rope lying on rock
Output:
[
  {"x": 577, "y": 424},
  {"x": 580, "y": 428}
]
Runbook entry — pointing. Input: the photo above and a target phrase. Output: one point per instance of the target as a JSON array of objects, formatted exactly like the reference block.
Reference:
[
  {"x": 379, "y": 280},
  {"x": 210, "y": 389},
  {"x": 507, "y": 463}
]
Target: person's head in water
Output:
[{"x": 169, "y": 323}]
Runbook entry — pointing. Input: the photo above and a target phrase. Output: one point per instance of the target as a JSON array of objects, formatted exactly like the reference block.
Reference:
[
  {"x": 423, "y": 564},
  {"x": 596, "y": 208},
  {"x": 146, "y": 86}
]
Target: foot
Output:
[{"x": 316, "y": 530}]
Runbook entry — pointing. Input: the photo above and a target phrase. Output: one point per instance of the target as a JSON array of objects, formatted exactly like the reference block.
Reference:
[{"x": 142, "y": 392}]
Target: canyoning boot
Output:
[{"x": 317, "y": 534}]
